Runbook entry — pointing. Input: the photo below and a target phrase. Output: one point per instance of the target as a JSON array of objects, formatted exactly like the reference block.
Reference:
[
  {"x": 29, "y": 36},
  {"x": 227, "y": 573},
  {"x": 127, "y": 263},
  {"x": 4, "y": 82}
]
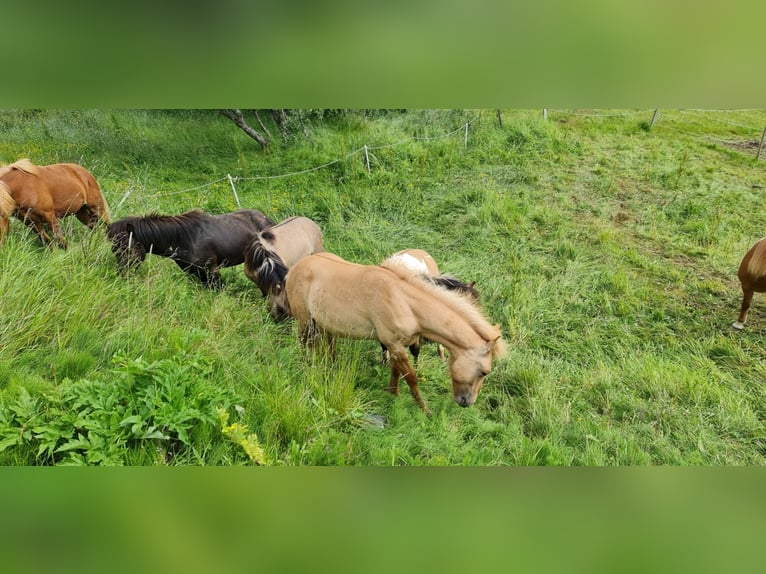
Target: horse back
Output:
[
  {"x": 359, "y": 301},
  {"x": 72, "y": 187},
  {"x": 293, "y": 239}
]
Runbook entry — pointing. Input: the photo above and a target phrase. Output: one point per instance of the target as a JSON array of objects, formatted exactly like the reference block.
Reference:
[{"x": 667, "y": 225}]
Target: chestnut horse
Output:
[
  {"x": 199, "y": 243},
  {"x": 44, "y": 193},
  {"x": 420, "y": 262},
  {"x": 273, "y": 252},
  {"x": 752, "y": 276},
  {"x": 330, "y": 296}
]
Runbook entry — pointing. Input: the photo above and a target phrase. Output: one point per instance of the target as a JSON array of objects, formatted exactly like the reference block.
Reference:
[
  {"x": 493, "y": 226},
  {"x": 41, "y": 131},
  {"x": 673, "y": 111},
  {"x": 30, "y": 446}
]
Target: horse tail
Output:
[
  {"x": 7, "y": 207},
  {"x": 264, "y": 267},
  {"x": 756, "y": 267},
  {"x": 94, "y": 198}
]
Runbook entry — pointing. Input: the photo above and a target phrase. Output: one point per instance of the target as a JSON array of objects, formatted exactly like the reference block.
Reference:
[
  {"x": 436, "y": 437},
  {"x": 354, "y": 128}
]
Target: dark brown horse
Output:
[
  {"x": 199, "y": 243},
  {"x": 42, "y": 194},
  {"x": 274, "y": 251},
  {"x": 332, "y": 297},
  {"x": 752, "y": 276}
]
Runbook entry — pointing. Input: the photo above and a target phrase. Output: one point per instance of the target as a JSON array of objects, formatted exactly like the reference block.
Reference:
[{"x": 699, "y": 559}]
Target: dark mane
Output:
[
  {"x": 157, "y": 228},
  {"x": 267, "y": 268},
  {"x": 454, "y": 284}
]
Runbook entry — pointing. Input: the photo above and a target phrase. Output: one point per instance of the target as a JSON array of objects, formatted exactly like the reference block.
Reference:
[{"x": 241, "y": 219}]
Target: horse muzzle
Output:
[{"x": 464, "y": 400}]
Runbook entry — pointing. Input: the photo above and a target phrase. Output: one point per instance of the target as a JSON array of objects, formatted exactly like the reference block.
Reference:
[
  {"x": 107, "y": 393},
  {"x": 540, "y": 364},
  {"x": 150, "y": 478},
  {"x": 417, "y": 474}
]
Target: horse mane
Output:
[
  {"x": 170, "y": 228},
  {"x": 23, "y": 164},
  {"x": 458, "y": 303},
  {"x": 267, "y": 267},
  {"x": 757, "y": 265},
  {"x": 454, "y": 284}
]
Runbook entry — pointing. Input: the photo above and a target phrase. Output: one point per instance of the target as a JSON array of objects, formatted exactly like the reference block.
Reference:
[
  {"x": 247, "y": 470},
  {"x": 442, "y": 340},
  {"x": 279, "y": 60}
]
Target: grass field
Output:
[{"x": 605, "y": 247}]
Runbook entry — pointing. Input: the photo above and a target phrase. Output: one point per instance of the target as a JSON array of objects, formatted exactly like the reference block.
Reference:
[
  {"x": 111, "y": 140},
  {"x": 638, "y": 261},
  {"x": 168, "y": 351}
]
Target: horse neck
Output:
[{"x": 443, "y": 323}]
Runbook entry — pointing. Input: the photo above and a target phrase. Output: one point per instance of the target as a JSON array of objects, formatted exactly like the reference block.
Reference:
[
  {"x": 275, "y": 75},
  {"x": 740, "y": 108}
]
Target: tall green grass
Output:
[{"x": 606, "y": 250}]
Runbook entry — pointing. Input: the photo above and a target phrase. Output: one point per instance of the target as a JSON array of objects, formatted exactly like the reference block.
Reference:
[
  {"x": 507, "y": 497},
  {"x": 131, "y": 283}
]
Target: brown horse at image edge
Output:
[
  {"x": 752, "y": 276},
  {"x": 42, "y": 194}
]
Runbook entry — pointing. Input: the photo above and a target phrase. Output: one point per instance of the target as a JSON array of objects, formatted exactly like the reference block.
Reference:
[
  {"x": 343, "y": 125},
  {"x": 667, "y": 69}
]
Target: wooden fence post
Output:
[
  {"x": 760, "y": 145},
  {"x": 234, "y": 189},
  {"x": 367, "y": 158}
]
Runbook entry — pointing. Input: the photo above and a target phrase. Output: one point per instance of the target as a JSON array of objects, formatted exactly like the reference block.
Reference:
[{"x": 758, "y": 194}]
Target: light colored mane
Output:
[
  {"x": 459, "y": 303},
  {"x": 757, "y": 265},
  {"x": 24, "y": 165}
]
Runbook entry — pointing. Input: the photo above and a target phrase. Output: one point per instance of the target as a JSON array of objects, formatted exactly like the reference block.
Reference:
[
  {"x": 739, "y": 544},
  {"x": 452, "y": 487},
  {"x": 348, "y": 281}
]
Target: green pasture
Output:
[{"x": 606, "y": 248}]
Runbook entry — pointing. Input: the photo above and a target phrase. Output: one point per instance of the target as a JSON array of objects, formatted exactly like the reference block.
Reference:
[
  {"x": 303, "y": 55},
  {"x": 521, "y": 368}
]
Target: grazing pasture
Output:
[{"x": 606, "y": 249}]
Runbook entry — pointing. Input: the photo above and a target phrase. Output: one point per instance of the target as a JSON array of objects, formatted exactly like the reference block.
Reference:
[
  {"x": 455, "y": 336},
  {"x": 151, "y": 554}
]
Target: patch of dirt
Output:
[{"x": 744, "y": 145}]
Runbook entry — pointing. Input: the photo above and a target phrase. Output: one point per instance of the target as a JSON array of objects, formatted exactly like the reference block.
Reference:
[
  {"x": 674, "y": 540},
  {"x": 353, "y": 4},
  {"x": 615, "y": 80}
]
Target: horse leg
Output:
[
  {"x": 329, "y": 344},
  {"x": 385, "y": 355},
  {"x": 53, "y": 222},
  {"x": 307, "y": 332},
  {"x": 415, "y": 350},
  {"x": 87, "y": 216},
  {"x": 401, "y": 366},
  {"x": 213, "y": 280},
  {"x": 747, "y": 297},
  {"x": 35, "y": 223}
]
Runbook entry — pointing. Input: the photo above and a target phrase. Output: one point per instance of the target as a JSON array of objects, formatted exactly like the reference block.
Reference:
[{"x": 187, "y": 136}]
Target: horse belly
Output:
[
  {"x": 341, "y": 317},
  {"x": 370, "y": 314}
]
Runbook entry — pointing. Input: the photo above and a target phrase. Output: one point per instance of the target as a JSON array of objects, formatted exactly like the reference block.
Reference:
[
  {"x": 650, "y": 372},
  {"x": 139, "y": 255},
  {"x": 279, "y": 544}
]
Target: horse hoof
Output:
[{"x": 738, "y": 326}]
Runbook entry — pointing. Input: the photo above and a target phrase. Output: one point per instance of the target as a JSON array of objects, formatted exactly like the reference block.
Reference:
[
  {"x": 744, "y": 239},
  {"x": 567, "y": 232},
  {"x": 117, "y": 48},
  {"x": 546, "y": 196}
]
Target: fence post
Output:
[
  {"x": 234, "y": 189},
  {"x": 654, "y": 118},
  {"x": 545, "y": 113},
  {"x": 367, "y": 158},
  {"x": 465, "y": 140},
  {"x": 760, "y": 145},
  {"x": 124, "y": 197}
]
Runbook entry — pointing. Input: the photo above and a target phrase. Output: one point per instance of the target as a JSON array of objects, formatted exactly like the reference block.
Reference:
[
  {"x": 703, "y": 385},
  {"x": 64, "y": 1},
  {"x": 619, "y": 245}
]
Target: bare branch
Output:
[{"x": 237, "y": 117}]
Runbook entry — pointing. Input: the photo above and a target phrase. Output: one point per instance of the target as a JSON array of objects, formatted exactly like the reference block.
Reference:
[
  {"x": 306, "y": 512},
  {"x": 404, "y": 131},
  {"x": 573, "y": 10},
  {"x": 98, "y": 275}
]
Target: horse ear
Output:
[
  {"x": 496, "y": 346},
  {"x": 471, "y": 284}
]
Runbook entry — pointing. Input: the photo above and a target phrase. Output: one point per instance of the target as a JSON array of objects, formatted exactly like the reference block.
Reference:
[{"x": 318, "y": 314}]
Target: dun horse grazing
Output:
[
  {"x": 752, "y": 276},
  {"x": 199, "y": 243},
  {"x": 270, "y": 255},
  {"x": 329, "y": 296},
  {"x": 44, "y": 193},
  {"x": 419, "y": 262}
]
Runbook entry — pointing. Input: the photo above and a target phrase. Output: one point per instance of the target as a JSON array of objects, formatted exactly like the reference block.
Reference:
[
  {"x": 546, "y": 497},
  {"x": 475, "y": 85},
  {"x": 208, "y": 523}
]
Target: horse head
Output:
[
  {"x": 279, "y": 306},
  {"x": 469, "y": 367},
  {"x": 128, "y": 251}
]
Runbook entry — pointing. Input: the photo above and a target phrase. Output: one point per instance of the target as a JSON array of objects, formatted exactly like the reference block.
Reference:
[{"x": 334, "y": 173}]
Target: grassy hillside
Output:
[{"x": 606, "y": 249}]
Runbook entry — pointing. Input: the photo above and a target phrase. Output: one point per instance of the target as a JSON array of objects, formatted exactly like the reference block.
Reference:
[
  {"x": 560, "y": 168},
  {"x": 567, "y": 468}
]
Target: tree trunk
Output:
[{"x": 237, "y": 117}]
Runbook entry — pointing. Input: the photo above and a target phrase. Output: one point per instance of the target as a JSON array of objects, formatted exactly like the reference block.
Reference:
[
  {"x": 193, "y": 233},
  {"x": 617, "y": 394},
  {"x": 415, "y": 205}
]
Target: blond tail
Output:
[{"x": 7, "y": 207}]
